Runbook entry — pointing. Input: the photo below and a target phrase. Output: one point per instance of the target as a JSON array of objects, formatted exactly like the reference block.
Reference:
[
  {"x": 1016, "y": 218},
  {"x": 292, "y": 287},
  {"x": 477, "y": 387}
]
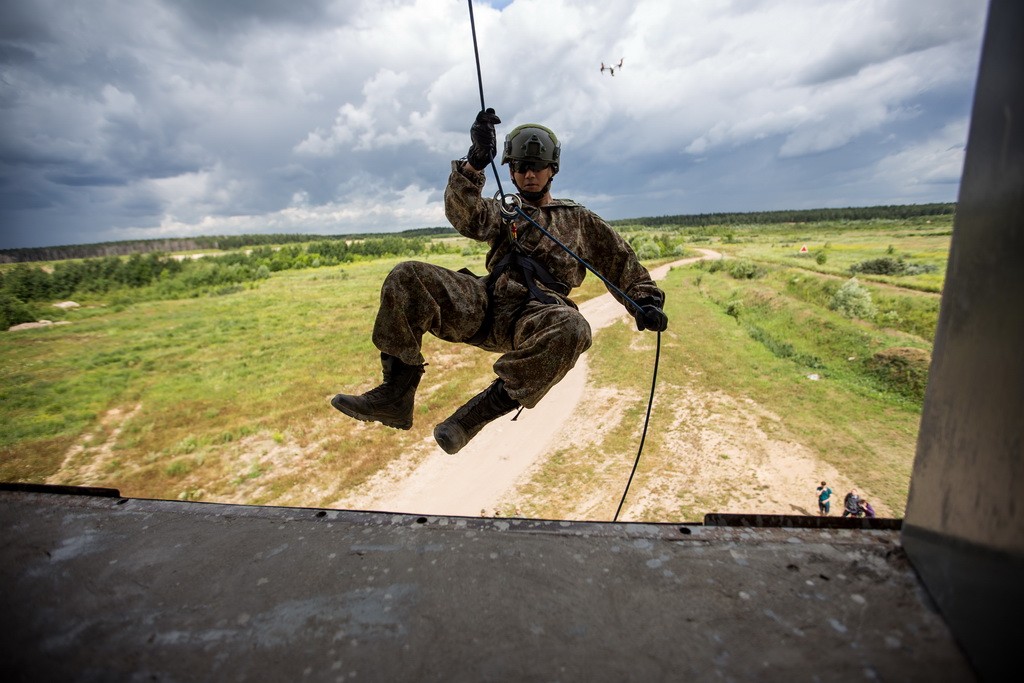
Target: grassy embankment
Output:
[
  {"x": 755, "y": 342},
  {"x": 231, "y": 392}
]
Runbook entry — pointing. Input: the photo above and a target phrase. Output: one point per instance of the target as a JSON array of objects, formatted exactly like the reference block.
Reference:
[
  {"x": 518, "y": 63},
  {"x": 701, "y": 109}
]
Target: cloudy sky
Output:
[{"x": 171, "y": 118}]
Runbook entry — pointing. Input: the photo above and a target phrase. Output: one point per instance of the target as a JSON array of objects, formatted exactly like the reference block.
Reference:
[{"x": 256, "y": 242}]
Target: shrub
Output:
[
  {"x": 903, "y": 370},
  {"x": 14, "y": 311},
  {"x": 891, "y": 266},
  {"x": 853, "y": 300},
  {"x": 645, "y": 247},
  {"x": 879, "y": 266},
  {"x": 178, "y": 468},
  {"x": 745, "y": 270},
  {"x": 919, "y": 268},
  {"x": 648, "y": 251}
]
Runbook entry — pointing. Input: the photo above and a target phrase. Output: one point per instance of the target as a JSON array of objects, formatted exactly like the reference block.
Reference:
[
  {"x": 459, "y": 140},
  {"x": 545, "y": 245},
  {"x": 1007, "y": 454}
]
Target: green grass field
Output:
[{"x": 228, "y": 395}]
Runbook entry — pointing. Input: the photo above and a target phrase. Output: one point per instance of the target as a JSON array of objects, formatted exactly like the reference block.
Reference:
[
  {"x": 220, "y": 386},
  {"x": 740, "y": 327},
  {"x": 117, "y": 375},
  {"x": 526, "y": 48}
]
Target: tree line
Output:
[
  {"x": 863, "y": 213},
  {"x": 200, "y": 243},
  {"x": 27, "y": 291},
  {"x": 230, "y": 242}
]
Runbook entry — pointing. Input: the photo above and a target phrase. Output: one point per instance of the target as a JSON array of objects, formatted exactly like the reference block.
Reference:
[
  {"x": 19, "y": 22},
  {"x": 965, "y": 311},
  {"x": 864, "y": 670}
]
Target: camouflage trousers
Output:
[{"x": 539, "y": 343}]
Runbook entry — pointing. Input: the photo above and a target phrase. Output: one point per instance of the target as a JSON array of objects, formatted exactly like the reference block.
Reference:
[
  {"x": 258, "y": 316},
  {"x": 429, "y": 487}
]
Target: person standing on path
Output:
[
  {"x": 521, "y": 309},
  {"x": 824, "y": 502},
  {"x": 851, "y": 504}
]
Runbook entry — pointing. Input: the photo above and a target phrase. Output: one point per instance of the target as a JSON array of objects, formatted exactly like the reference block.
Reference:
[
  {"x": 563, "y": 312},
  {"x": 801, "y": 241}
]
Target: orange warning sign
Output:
[{"x": 803, "y": 249}]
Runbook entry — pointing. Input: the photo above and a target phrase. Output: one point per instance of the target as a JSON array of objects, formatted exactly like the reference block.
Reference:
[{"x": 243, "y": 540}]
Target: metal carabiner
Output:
[{"x": 508, "y": 204}]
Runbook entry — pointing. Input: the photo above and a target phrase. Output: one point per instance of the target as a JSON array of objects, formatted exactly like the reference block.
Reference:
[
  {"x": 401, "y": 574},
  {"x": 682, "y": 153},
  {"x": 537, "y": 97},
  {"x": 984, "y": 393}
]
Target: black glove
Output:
[
  {"x": 652, "y": 318},
  {"x": 485, "y": 141}
]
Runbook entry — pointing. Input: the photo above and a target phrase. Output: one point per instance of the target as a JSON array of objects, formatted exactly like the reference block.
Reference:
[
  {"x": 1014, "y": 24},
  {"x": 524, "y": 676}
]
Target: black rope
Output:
[
  {"x": 480, "y": 87},
  {"x": 476, "y": 55},
  {"x": 643, "y": 436},
  {"x": 606, "y": 281}
]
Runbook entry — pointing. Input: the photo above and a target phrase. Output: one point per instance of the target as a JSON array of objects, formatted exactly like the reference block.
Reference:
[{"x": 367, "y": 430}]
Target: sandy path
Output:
[{"x": 478, "y": 476}]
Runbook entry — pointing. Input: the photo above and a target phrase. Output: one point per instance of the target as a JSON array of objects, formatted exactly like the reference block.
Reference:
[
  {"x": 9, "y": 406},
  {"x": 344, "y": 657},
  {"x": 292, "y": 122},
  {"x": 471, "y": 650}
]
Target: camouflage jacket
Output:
[{"x": 575, "y": 226}]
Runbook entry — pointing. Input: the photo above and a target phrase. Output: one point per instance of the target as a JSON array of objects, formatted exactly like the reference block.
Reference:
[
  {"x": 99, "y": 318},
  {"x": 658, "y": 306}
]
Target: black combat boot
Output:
[
  {"x": 391, "y": 403},
  {"x": 463, "y": 425}
]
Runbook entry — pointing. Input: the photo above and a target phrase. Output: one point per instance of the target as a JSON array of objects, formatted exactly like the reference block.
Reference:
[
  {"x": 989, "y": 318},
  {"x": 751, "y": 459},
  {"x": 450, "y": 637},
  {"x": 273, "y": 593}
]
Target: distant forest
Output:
[
  {"x": 26, "y": 291},
  {"x": 228, "y": 243},
  {"x": 202, "y": 243},
  {"x": 863, "y": 213}
]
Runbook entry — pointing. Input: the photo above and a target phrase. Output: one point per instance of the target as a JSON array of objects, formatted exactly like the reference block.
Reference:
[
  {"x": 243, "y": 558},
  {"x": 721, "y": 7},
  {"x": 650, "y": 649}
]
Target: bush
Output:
[
  {"x": 853, "y": 300},
  {"x": 903, "y": 370},
  {"x": 891, "y": 266},
  {"x": 14, "y": 312},
  {"x": 27, "y": 284},
  {"x": 745, "y": 270},
  {"x": 648, "y": 251},
  {"x": 919, "y": 269},
  {"x": 879, "y": 266},
  {"x": 645, "y": 247}
]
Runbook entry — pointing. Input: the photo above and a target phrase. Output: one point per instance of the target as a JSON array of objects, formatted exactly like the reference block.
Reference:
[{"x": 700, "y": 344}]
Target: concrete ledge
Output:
[
  {"x": 111, "y": 589},
  {"x": 802, "y": 521}
]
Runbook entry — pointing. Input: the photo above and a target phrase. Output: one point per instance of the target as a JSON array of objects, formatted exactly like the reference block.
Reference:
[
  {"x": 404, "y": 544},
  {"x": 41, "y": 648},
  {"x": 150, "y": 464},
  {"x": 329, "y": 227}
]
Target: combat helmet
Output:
[{"x": 532, "y": 142}]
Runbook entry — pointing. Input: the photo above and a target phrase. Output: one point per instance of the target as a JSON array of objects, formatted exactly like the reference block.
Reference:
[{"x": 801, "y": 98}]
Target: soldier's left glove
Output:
[
  {"x": 652, "y": 318},
  {"x": 484, "y": 139}
]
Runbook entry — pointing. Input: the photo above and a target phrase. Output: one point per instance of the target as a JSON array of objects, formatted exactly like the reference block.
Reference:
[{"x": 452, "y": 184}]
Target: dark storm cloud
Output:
[
  {"x": 232, "y": 15},
  {"x": 163, "y": 118},
  {"x": 24, "y": 21},
  {"x": 873, "y": 38}
]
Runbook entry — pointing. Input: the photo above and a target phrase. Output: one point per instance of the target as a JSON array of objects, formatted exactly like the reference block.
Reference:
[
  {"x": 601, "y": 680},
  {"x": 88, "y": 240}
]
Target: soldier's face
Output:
[{"x": 530, "y": 180}]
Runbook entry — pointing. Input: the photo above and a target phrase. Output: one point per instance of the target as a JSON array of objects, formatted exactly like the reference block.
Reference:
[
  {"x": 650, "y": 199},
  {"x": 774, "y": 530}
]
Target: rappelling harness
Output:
[{"x": 533, "y": 274}]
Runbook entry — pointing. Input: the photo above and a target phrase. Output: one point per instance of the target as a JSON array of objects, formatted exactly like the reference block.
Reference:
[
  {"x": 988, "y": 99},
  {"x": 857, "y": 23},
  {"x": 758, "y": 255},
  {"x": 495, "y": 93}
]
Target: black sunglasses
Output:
[{"x": 524, "y": 166}]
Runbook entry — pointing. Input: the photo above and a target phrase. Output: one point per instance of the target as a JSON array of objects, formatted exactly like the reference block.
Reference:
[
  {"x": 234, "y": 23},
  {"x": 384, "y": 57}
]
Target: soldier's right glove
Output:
[
  {"x": 484, "y": 139},
  {"x": 651, "y": 318}
]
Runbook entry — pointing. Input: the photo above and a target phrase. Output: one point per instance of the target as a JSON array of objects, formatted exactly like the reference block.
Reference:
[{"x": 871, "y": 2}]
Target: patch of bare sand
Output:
[
  {"x": 738, "y": 455},
  {"x": 719, "y": 454},
  {"x": 255, "y": 466},
  {"x": 86, "y": 461},
  {"x": 250, "y": 469}
]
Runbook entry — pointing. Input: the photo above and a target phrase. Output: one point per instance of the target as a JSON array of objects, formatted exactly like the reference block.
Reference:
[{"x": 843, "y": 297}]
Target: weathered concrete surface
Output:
[
  {"x": 964, "y": 525},
  {"x": 112, "y": 589},
  {"x": 969, "y": 470}
]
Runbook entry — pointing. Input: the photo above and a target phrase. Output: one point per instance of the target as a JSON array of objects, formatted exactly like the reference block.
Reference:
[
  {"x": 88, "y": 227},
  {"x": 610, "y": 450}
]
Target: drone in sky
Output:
[{"x": 611, "y": 69}]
